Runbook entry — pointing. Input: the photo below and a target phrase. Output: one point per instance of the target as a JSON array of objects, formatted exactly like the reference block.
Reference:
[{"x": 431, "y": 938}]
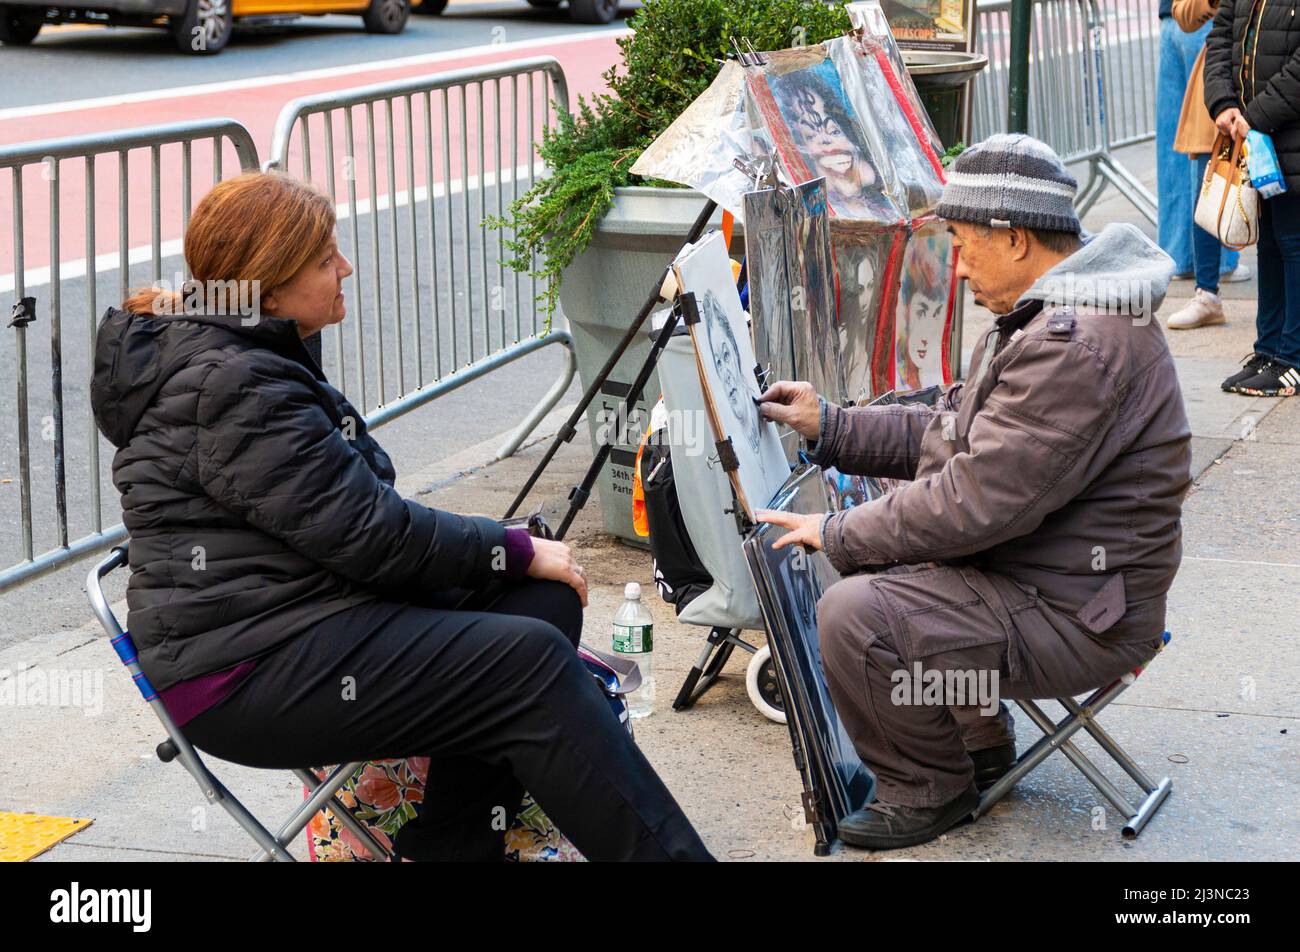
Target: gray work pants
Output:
[{"x": 889, "y": 639}]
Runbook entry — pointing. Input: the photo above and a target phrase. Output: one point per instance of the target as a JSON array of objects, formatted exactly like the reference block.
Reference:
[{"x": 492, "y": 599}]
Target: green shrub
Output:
[{"x": 671, "y": 57}]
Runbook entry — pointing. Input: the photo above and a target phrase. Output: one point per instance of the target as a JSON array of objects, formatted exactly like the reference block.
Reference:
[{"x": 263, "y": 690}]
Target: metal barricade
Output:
[
  {"x": 445, "y": 313},
  {"x": 43, "y": 287},
  {"x": 1132, "y": 29},
  {"x": 1088, "y": 92}
]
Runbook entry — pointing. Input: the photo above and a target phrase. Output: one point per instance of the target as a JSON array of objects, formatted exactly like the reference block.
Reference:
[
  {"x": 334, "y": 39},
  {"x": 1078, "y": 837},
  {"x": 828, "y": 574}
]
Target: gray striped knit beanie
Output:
[{"x": 1010, "y": 180}]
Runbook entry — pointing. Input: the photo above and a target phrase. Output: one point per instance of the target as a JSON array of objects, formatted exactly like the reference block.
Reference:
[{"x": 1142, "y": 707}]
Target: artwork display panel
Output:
[{"x": 790, "y": 582}]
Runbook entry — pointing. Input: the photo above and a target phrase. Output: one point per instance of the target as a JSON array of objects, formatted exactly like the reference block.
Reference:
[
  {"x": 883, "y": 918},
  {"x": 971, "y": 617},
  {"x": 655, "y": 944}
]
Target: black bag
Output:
[{"x": 679, "y": 574}]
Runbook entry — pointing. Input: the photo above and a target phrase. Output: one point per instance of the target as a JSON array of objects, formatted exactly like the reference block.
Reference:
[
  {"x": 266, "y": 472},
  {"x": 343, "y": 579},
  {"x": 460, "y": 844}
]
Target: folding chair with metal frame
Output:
[
  {"x": 1056, "y": 736},
  {"x": 322, "y": 793}
]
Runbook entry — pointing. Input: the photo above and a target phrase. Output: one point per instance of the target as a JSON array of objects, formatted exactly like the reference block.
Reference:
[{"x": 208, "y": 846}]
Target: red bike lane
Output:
[{"x": 256, "y": 103}]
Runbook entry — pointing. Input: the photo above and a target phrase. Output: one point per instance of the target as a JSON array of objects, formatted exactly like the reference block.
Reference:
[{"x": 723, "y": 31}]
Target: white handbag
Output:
[{"x": 1228, "y": 207}]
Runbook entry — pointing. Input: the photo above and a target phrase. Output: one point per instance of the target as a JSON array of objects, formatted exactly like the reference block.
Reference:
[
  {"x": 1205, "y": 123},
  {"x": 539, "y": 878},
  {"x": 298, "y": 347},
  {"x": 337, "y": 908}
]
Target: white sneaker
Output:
[
  {"x": 1203, "y": 310},
  {"x": 1236, "y": 275}
]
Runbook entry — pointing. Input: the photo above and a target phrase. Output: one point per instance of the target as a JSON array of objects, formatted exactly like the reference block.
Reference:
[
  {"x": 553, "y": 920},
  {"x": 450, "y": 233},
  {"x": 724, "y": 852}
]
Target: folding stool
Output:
[
  {"x": 1056, "y": 735},
  {"x": 176, "y": 747}
]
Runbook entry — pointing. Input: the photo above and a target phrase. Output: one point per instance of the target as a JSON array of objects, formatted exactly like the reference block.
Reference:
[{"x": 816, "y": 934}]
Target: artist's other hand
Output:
[
  {"x": 793, "y": 403},
  {"x": 805, "y": 530},
  {"x": 554, "y": 561},
  {"x": 1232, "y": 123}
]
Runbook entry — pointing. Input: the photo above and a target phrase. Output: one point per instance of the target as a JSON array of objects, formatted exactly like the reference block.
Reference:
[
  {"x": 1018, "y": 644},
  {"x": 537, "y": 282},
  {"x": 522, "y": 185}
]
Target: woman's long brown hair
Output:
[{"x": 259, "y": 226}]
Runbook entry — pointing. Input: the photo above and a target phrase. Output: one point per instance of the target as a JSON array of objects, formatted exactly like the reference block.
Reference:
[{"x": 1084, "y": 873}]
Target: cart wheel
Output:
[{"x": 764, "y": 687}]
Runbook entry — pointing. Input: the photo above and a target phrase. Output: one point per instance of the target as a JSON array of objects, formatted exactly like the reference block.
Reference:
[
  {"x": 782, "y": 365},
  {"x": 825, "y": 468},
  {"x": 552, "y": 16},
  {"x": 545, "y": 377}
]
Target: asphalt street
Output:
[{"x": 77, "y": 62}]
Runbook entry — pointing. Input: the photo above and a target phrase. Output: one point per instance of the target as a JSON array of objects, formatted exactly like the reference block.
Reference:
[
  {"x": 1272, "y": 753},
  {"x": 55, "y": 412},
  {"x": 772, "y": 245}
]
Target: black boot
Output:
[{"x": 887, "y": 826}]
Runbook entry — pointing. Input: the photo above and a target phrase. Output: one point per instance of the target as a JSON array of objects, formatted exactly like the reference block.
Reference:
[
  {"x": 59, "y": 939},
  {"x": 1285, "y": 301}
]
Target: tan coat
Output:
[{"x": 1195, "y": 134}]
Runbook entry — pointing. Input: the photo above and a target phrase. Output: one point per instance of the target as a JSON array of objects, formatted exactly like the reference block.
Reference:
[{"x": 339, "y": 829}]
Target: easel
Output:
[
  {"x": 579, "y": 494},
  {"x": 720, "y": 641}
]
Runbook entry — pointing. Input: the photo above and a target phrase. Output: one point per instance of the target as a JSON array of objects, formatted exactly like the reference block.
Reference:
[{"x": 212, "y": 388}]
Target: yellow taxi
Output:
[{"x": 202, "y": 27}]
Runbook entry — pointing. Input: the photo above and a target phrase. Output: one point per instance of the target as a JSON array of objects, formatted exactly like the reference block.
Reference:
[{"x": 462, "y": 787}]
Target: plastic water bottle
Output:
[{"x": 634, "y": 639}]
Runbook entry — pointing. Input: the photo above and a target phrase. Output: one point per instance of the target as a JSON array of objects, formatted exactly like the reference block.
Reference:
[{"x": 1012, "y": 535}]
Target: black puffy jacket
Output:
[
  {"x": 256, "y": 502},
  {"x": 1270, "y": 97}
]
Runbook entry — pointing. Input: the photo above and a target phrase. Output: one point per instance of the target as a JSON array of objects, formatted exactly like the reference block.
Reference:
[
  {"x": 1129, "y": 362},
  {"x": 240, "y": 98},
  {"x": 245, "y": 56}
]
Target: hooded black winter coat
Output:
[{"x": 256, "y": 501}]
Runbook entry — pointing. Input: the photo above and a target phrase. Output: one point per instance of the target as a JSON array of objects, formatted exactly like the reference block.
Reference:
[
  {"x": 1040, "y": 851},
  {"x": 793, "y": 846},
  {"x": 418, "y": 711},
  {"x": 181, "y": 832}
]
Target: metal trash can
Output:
[
  {"x": 600, "y": 294},
  {"x": 941, "y": 79}
]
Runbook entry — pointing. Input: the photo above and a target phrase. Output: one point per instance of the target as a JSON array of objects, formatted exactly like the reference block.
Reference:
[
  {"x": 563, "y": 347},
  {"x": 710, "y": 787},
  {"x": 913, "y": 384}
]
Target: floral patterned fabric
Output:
[{"x": 385, "y": 795}]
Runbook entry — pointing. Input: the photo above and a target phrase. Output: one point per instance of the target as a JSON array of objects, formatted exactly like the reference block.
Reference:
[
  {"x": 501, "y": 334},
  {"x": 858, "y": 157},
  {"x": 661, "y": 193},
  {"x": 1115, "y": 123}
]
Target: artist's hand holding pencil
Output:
[{"x": 794, "y": 403}]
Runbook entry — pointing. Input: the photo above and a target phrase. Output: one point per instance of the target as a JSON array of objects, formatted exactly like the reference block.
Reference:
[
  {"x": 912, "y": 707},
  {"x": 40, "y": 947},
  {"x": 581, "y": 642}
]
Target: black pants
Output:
[{"x": 498, "y": 699}]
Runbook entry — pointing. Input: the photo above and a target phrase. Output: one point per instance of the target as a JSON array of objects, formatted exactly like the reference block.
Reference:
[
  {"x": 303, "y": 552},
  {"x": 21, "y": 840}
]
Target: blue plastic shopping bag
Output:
[{"x": 1261, "y": 163}]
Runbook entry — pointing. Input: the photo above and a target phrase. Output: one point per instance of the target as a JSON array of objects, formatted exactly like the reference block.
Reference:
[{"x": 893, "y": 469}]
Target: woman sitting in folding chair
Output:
[{"x": 294, "y": 610}]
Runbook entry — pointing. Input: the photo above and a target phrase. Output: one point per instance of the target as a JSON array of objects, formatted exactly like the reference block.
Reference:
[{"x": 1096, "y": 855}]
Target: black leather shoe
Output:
[
  {"x": 888, "y": 826},
  {"x": 991, "y": 764}
]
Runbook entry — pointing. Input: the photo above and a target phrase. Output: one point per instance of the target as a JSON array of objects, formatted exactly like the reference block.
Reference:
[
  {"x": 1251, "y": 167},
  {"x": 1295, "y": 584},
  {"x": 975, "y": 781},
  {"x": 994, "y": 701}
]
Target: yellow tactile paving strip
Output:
[{"x": 27, "y": 835}]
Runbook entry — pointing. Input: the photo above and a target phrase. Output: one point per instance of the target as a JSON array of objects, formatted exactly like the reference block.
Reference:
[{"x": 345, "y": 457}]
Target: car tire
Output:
[
  {"x": 18, "y": 26},
  {"x": 432, "y": 8},
  {"x": 387, "y": 16},
  {"x": 205, "y": 27},
  {"x": 593, "y": 11}
]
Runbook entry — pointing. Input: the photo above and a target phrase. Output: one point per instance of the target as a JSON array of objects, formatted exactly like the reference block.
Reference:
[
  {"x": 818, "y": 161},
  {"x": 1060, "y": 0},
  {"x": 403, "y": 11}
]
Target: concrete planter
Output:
[{"x": 600, "y": 295}]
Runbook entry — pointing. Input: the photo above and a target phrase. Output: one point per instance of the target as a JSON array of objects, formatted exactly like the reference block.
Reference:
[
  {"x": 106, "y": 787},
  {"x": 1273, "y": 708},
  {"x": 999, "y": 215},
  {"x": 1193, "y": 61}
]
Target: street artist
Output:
[{"x": 1040, "y": 531}]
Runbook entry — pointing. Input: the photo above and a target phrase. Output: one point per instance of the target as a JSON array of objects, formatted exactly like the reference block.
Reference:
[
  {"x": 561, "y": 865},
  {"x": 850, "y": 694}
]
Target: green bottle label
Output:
[{"x": 633, "y": 639}]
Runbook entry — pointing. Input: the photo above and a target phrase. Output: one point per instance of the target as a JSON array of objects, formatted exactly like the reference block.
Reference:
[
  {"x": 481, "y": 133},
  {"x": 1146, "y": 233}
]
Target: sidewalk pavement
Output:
[{"x": 1216, "y": 711}]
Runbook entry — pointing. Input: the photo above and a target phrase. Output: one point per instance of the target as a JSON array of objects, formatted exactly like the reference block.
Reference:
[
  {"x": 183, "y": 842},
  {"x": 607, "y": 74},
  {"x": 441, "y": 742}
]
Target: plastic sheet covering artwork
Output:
[
  {"x": 790, "y": 582},
  {"x": 847, "y": 111},
  {"x": 879, "y": 82},
  {"x": 792, "y": 286},
  {"x": 699, "y": 149},
  {"x": 927, "y": 290}
]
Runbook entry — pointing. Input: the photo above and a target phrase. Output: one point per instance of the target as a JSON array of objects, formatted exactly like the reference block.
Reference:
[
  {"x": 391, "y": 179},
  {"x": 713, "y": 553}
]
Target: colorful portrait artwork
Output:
[
  {"x": 867, "y": 278},
  {"x": 923, "y": 317},
  {"x": 814, "y": 134}
]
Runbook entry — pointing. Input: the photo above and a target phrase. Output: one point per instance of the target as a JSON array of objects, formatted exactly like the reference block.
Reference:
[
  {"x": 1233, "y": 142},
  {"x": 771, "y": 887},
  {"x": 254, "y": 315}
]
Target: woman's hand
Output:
[
  {"x": 1232, "y": 123},
  {"x": 554, "y": 561},
  {"x": 807, "y": 530},
  {"x": 795, "y": 404}
]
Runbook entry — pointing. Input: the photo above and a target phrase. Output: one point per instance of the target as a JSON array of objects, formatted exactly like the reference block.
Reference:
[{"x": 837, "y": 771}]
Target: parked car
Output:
[
  {"x": 202, "y": 27},
  {"x": 583, "y": 11}
]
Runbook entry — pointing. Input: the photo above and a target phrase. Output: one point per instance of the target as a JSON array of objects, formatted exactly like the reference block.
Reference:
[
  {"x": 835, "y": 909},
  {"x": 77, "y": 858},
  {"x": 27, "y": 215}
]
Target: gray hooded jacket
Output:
[{"x": 1061, "y": 464}]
